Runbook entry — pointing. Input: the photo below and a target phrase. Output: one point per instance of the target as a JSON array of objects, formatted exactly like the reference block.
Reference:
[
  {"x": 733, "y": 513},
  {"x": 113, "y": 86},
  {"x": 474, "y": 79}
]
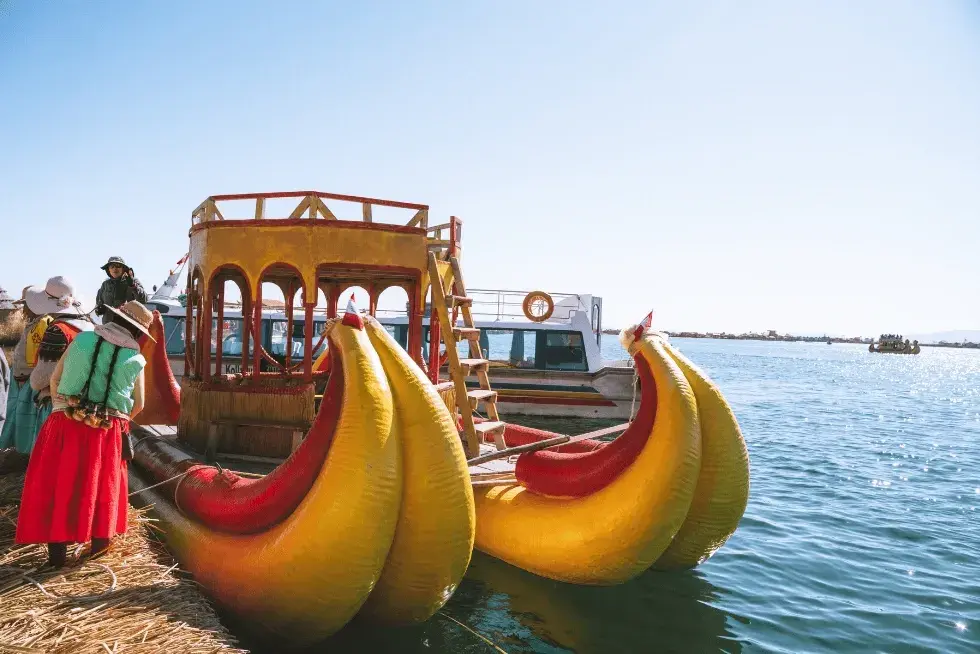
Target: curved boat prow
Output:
[
  {"x": 161, "y": 395},
  {"x": 667, "y": 493}
]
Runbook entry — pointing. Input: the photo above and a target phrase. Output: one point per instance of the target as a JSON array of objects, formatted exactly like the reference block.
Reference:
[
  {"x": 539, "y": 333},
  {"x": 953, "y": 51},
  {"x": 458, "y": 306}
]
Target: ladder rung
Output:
[
  {"x": 473, "y": 363},
  {"x": 489, "y": 427},
  {"x": 472, "y": 333},
  {"x": 484, "y": 394},
  {"x": 444, "y": 386},
  {"x": 459, "y": 300}
]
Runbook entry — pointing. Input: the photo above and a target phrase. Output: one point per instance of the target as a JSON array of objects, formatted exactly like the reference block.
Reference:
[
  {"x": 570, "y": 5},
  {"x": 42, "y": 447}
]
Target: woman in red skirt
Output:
[{"x": 76, "y": 489}]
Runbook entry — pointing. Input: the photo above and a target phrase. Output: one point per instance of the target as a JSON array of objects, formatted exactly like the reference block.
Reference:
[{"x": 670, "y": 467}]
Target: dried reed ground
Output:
[{"x": 154, "y": 607}]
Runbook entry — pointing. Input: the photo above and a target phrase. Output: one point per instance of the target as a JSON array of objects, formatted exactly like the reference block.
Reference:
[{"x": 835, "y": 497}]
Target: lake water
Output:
[{"x": 862, "y": 531}]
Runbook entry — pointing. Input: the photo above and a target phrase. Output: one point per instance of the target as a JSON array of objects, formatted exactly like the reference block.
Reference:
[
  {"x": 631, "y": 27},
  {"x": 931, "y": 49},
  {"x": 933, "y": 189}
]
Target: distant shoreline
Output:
[{"x": 856, "y": 340}]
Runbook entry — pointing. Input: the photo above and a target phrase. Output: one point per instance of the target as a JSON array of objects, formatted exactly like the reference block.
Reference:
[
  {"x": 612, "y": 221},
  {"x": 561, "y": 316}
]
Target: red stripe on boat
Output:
[
  {"x": 576, "y": 474},
  {"x": 245, "y": 506}
]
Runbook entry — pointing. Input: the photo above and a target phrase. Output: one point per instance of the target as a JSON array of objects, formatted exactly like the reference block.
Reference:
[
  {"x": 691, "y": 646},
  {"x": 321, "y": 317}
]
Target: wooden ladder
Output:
[{"x": 467, "y": 401}]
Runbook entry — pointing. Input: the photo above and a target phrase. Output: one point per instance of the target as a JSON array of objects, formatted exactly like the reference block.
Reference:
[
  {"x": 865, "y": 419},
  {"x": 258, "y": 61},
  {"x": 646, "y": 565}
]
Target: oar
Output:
[{"x": 545, "y": 444}]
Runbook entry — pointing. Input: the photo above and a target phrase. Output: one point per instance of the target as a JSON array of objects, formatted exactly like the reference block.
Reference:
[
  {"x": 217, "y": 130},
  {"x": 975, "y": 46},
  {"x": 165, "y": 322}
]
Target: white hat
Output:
[
  {"x": 6, "y": 302},
  {"x": 57, "y": 296}
]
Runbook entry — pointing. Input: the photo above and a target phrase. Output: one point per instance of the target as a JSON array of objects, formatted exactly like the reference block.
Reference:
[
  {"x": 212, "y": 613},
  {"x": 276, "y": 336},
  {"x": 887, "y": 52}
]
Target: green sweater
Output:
[{"x": 78, "y": 364}]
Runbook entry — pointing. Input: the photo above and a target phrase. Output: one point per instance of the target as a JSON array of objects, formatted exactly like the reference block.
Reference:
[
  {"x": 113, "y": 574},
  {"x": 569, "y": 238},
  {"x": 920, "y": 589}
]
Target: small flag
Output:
[
  {"x": 644, "y": 325},
  {"x": 351, "y": 318},
  {"x": 183, "y": 258}
]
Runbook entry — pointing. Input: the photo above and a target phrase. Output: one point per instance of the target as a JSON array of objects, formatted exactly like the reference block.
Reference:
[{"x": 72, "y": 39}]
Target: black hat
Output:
[{"x": 115, "y": 261}]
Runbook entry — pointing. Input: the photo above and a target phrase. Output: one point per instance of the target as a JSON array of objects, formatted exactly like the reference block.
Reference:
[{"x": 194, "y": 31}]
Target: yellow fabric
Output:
[
  {"x": 434, "y": 538},
  {"x": 34, "y": 337}
]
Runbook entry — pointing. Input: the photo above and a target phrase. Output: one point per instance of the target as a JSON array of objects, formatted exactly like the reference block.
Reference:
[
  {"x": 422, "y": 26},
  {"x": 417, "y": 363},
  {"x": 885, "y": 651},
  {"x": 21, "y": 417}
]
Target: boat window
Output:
[
  {"x": 512, "y": 347},
  {"x": 276, "y": 338},
  {"x": 173, "y": 330},
  {"x": 563, "y": 351},
  {"x": 231, "y": 337}
]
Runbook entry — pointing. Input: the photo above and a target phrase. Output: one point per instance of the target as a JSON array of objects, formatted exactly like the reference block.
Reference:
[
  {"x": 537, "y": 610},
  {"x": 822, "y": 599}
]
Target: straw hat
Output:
[
  {"x": 57, "y": 296},
  {"x": 137, "y": 315}
]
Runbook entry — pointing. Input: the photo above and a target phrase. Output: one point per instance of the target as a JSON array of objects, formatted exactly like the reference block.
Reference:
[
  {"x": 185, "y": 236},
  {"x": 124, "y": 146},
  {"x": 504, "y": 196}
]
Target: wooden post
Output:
[
  {"x": 332, "y": 303},
  {"x": 366, "y": 210},
  {"x": 246, "y": 330},
  {"x": 220, "y": 331},
  {"x": 204, "y": 334},
  {"x": 308, "y": 335},
  {"x": 290, "y": 297},
  {"x": 188, "y": 320},
  {"x": 372, "y": 299},
  {"x": 259, "y": 209},
  {"x": 257, "y": 331},
  {"x": 434, "y": 336}
]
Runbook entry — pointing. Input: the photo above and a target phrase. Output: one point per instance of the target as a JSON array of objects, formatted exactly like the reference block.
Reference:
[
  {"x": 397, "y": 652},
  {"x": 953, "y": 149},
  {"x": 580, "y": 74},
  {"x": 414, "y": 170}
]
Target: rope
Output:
[
  {"x": 167, "y": 481},
  {"x": 78, "y": 598},
  {"x": 636, "y": 378},
  {"x": 486, "y": 640}
]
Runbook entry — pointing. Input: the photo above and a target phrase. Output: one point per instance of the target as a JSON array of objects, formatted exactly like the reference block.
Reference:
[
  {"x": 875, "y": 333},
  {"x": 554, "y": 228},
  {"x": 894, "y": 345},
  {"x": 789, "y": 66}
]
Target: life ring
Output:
[{"x": 533, "y": 301}]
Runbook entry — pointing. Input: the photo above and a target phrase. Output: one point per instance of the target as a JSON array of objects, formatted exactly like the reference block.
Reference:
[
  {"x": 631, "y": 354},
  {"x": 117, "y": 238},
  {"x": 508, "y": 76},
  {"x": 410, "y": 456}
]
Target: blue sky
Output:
[{"x": 800, "y": 166}]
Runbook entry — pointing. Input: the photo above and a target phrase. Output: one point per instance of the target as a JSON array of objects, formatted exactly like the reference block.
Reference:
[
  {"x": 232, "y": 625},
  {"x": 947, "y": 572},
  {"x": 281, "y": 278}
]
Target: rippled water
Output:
[{"x": 862, "y": 531}]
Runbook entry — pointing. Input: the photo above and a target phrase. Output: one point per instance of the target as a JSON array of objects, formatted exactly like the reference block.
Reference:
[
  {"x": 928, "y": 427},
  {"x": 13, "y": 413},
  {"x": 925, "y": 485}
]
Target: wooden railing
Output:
[{"x": 310, "y": 205}]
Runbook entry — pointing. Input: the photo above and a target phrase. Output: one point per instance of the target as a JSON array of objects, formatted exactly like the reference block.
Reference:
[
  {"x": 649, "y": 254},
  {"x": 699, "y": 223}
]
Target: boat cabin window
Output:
[
  {"x": 562, "y": 351},
  {"x": 511, "y": 347},
  {"x": 173, "y": 331},
  {"x": 275, "y": 338}
]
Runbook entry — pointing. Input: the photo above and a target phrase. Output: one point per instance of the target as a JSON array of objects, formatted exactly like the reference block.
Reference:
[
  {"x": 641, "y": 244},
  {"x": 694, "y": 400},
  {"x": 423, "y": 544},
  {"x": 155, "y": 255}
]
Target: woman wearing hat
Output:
[
  {"x": 76, "y": 487},
  {"x": 42, "y": 306},
  {"x": 121, "y": 287}
]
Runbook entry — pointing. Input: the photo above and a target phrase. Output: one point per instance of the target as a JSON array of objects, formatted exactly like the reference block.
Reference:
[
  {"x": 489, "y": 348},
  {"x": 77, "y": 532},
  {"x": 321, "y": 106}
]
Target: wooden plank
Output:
[
  {"x": 366, "y": 212},
  {"x": 546, "y": 444},
  {"x": 259, "y": 208},
  {"x": 472, "y": 441},
  {"x": 324, "y": 210},
  {"x": 301, "y": 208},
  {"x": 420, "y": 219},
  {"x": 297, "y": 440}
]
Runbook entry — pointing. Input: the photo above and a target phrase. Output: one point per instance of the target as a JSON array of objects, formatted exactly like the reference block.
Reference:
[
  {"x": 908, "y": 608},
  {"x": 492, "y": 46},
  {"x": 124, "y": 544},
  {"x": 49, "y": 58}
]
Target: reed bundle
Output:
[{"x": 153, "y": 607}]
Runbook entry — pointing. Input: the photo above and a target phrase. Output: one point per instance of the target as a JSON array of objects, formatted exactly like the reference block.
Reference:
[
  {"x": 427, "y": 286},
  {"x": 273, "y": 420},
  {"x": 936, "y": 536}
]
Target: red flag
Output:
[
  {"x": 183, "y": 258},
  {"x": 644, "y": 325},
  {"x": 351, "y": 318}
]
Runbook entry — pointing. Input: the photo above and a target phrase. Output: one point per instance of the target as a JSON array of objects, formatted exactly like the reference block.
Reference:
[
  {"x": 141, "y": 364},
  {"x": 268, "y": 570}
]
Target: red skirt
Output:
[{"x": 76, "y": 487}]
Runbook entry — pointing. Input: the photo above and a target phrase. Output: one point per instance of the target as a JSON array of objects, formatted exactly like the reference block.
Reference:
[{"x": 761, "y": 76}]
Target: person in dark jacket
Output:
[{"x": 121, "y": 287}]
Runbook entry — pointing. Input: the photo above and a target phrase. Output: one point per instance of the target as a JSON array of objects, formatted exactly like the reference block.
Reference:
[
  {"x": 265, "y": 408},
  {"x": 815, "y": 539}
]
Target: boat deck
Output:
[{"x": 254, "y": 465}]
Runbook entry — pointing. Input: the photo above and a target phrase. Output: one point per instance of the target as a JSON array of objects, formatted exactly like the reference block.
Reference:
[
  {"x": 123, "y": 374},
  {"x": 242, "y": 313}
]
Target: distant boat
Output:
[
  {"x": 830, "y": 342},
  {"x": 893, "y": 344}
]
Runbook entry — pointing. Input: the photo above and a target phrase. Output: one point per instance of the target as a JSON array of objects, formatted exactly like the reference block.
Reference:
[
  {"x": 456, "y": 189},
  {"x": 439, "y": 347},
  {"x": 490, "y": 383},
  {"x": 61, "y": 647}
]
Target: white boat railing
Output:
[{"x": 498, "y": 304}]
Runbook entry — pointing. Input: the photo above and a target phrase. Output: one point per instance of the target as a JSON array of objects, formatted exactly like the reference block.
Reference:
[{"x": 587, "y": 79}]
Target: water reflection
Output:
[
  {"x": 521, "y": 612},
  {"x": 658, "y": 611}
]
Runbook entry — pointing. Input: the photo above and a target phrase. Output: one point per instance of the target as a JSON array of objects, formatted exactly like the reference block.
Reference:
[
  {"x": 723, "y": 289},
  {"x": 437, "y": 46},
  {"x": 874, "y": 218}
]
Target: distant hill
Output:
[{"x": 955, "y": 336}]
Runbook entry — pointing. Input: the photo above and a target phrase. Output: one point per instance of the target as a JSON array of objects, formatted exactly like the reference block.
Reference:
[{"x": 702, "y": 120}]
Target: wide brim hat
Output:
[
  {"x": 115, "y": 261},
  {"x": 57, "y": 296},
  {"x": 136, "y": 315}
]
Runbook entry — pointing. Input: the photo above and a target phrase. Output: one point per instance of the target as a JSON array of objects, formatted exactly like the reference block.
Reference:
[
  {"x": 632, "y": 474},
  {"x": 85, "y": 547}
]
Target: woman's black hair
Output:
[{"x": 134, "y": 331}]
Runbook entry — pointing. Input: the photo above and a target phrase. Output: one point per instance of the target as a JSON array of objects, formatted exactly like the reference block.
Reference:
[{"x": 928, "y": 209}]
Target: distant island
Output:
[{"x": 771, "y": 335}]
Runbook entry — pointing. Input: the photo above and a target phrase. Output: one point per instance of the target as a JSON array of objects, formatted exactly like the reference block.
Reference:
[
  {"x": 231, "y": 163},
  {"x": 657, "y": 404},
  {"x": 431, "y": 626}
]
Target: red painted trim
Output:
[
  {"x": 583, "y": 473},
  {"x": 299, "y": 222},
  {"x": 229, "y": 503},
  {"x": 320, "y": 194}
]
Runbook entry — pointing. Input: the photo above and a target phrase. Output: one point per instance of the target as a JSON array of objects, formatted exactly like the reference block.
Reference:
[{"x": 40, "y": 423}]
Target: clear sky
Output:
[{"x": 800, "y": 166}]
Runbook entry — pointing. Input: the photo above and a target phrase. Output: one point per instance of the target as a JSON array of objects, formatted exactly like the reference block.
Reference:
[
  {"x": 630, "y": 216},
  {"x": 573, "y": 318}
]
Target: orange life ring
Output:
[{"x": 534, "y": 300}]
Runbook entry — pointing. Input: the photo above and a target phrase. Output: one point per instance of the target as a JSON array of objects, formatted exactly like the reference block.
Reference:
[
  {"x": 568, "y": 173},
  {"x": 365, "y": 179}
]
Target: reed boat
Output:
[
  {"x": 893, "y": 344},
  {"x": 372, "y": 475}
]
